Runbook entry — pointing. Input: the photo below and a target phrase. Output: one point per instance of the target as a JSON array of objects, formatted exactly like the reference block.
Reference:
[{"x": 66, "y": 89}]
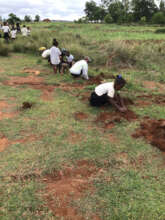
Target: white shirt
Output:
[
  {"x": 80, "y": 67},
  {"x": 55, "y": 55},
  {"x": 106, "y": 88},
  {"x": 6, "y": 29},
  {"x": 24, "y": 31},
  {"x": 13, "y": 33},
  {"x": 70, "y": 58},
  {"x": 28, "y": 32},
  {"x": 46, "y": 53}
]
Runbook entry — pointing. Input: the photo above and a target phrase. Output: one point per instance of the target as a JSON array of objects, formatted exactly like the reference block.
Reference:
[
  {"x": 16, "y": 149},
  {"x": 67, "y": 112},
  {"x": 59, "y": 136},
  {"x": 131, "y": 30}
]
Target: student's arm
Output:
[
  {"x": 114, "y": 103},
  {"x": 85, "y": 72},
  {"x": 120, "y": 100}
]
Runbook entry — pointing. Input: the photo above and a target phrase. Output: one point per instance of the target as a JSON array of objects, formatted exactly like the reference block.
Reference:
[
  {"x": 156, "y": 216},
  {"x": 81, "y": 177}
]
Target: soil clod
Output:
[
  {"x": 153, "y": 131},
  {"x": 26, "y": 105}
]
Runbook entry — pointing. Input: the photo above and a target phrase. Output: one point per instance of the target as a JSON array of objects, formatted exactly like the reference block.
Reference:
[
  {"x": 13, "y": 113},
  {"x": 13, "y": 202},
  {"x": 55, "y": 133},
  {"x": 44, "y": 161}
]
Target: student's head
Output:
[
  {"x": 119, "y": 82},
  {"x": 55, "y": 43},
  {"x": 28, "y": 28},
  {"x": 24, "y": 25},
  {"x": 88, "y": 59},
  {"x": 5, "y": 23},
  {"x": 67, "y": 53}
]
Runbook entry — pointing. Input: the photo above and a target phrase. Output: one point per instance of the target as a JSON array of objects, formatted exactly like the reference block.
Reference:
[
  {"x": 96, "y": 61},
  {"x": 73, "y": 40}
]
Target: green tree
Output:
[
  {"x": 116, "y": 10},
  {"x": 94, "y": 12},
  {"x": 13, "y": 19},
  {"x": 162, "y": 6},
  {"x": 142, "y": 8},
  {"x": 108, "y": 19},
  {"x": 27, "y": 18},
  {"x": 158, "y": 18},
  {"x": 37, "y": 18}
]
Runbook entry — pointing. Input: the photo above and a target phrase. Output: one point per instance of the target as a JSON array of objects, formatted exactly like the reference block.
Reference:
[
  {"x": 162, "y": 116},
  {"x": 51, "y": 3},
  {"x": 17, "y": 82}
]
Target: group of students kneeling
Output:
[{"x": 105, "y": 93}]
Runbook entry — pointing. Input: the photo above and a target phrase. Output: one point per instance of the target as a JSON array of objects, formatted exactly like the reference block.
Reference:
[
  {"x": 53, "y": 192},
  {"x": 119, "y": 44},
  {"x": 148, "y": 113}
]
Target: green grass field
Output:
[{"x": 61, "y": 158}]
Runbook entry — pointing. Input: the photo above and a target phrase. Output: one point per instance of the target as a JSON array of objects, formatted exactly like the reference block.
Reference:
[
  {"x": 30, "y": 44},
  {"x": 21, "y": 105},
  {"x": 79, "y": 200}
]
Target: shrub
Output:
[
  {"x": 160, "y": 31},
  {"x": 4, "y": 49},
  {"x": 158, "y": 18},
  {"x": 108, "y": 19}
]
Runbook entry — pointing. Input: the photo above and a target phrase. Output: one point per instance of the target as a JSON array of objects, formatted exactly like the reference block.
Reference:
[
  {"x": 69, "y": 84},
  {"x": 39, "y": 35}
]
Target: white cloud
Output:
[{"x": 53, "y": 9}]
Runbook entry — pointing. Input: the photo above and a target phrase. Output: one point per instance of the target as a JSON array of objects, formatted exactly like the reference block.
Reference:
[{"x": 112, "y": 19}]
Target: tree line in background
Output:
[
  {"x": 125, "y": 11},
  {"x": 12, "y": 19}
]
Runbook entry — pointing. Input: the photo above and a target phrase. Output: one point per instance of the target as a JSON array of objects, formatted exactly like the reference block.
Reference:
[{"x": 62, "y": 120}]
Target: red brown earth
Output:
[
  {"x": 69, "y": 185},
  {"x": 153, "y": 131},
  {"x": 80, "y": 116}
]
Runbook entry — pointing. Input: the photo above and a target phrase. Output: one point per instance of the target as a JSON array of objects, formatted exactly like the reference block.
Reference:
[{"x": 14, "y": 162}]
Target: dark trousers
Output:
[{"x": 96, "y": 100}]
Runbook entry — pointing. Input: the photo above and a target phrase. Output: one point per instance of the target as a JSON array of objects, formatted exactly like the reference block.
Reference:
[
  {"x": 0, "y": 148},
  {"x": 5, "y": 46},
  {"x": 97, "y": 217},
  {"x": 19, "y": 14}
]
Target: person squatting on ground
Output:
[
  {"x": 55, "y": 54},
  {"x": 80, "y": 68},
  {"x": 6, "y": 31},
  {"x": 107, "y": 93},
  {"x": 46, "y": 54},
  {"x": 67, "y": 60}
]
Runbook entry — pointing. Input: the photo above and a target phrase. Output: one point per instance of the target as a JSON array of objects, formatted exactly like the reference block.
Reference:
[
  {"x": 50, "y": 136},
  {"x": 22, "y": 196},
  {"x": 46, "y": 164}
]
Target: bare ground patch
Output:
[
  {"x": 3, "y": 143},
  {"x": 4, "y": 106},
  {"x": 153, "y": 131},
  {"x": 68, "y": 185}
]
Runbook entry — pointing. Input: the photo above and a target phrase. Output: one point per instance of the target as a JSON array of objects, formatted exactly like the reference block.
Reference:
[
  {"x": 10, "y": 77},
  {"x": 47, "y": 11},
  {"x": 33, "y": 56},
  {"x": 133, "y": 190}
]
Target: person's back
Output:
[
  {"x": 24, "y": 31},
  {"x": 80, "y": 68},
  {"x": 13, "y": 33},
  {"x": 5, "y": 28},
  {"x": 46, "y": 53},
  {"x": 55, "y": 54},
  {"x": 105, "y": 88}
]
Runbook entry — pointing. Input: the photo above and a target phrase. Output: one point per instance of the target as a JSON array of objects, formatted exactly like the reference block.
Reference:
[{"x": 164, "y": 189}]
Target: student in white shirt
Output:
[
  {"x": 55, "y": 54},
  {"x": 24, "y": 31},
  {"x": 107, "y": 93},
  {"x": 80, "y": 68},
  {"x": 69, "y": 59},
  {"x": 6, "y": 31},
  {"x": 13, "y": 33}
]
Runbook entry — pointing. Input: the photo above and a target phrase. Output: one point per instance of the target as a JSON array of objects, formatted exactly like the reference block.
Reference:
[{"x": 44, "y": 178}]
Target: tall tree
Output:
[
  {"x": 143, "y": 8},
  {"x": 13, "y": 19},
  {"x": 116, "y": 10},
  {"x": 37, "y": 18},
  {"x": 162, "y": 6},
  {"x": 27, "y": 18}
]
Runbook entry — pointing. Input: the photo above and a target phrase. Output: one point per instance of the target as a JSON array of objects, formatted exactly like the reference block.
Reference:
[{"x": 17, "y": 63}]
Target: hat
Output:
[
  {"x": 42, "y": 48},
  {"x": 88, "y": 58}
]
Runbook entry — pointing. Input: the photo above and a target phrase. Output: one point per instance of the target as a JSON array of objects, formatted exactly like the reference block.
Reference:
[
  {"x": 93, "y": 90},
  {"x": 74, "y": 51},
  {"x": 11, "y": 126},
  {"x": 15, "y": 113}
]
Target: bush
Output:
[
  {"x": 142, "y": 20},
  {"x": 4, "y": 49},
  {"x": 160, "y": 31},
  {"x": 108, "y": 19},
  {"x": 158, "y": 18}
]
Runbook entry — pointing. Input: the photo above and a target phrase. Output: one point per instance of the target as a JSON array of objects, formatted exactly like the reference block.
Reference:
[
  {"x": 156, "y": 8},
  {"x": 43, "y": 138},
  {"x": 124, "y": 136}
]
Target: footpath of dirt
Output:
[
  {"x": 68, "y": 185},
  {"x": 153, "y": 131}
]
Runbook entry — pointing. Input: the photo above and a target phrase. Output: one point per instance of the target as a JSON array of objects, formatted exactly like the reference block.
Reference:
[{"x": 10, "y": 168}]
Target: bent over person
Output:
[
  {"x": 80, "y": 68},
  {"x": 107, "y": 93}
]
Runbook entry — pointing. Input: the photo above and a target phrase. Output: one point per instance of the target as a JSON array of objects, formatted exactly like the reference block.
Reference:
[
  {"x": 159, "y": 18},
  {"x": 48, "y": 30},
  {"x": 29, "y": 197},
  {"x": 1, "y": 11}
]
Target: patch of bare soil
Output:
[
  {"x": 68, "y": 185},
  {"x": 99, "y": 78},
  {"x": 28, "y": 139},
  {"x": 80, "y": 116},
  {"x": 3, "y": 143},
  {"x": 109, "y": 119},
  {"x": 153, "y": 131},
  {"x": 4, "y": 115},
  {"x": 145, "y": 100},
  {"x": 154, "y": 85},
  {"x": 75, "y": 137},
  {"x": 1, "y": 70},
  {"x": 28, "y": 70}
]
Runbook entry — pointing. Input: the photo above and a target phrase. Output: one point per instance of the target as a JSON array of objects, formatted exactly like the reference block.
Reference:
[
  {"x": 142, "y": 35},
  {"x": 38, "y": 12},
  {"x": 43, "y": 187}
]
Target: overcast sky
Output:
[{"x": 53, "y": 9}]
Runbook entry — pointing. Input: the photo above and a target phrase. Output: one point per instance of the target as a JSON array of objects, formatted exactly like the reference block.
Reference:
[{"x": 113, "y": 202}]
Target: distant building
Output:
[{"x": 46, "y": 20}]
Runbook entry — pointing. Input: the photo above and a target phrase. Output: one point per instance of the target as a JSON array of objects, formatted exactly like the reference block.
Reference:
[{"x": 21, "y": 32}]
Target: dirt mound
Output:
[
  {"x": 28, "y": 70},
  {"x": 154, "y": 85},
  {"x": 80, "y": 116},
  {"x": 99, "y": 78},
  {"x": 108, "y": 119},
  {"x": 67, "y": 185},
  {"x": 26, "y": 105},
  {"x": 153, "y": 131}
]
